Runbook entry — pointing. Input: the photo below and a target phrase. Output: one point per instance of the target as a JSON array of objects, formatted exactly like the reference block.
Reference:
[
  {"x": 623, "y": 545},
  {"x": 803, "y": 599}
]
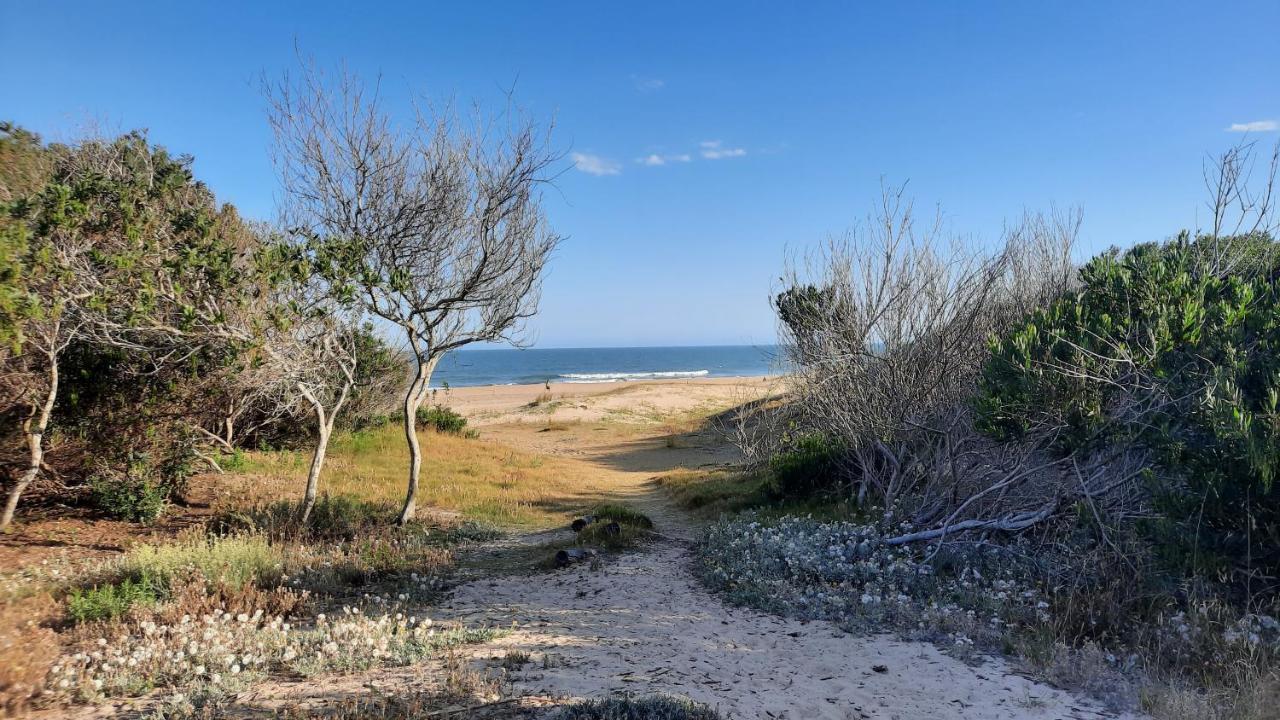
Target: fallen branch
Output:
[{"x": 1009, "y": 523}]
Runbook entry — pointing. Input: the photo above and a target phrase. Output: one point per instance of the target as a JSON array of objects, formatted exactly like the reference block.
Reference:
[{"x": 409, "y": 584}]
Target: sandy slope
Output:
[{"x": 642, "y": 623}]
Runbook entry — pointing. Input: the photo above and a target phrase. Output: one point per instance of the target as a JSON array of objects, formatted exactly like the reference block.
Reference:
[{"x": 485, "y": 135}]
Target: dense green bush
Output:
[
  {"x": 137, "y": 485},
  {"x": 127, "y": 497},
  {"x": 1176, "y": 347},
  {"x": 442, "y": 419},
  {"x": 807, "y": 466}
]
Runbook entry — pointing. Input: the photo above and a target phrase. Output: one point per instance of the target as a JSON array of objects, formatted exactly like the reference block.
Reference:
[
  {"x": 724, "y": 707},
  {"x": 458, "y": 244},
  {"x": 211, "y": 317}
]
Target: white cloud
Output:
[
  {"x": 646, "y": 85},
  {"x": 715, "y": 150},
  {"x": 595, "y": 165},
  {"x": 655, "y": 160},
  {"x": 1255, "y": 126}
]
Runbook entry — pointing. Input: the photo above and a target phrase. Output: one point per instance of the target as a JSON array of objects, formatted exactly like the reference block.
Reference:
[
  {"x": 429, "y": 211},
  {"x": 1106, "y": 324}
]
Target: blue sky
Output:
[{"x": 788, "y": 115}]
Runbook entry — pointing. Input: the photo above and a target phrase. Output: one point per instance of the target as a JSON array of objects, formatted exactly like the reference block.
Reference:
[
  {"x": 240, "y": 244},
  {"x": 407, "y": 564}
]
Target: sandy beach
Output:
[{"x": 497, "y": 404}]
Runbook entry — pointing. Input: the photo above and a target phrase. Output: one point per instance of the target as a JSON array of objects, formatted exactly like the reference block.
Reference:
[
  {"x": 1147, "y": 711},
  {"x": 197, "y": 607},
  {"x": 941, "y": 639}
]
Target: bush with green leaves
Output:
[
  {"x": 129, "y": 498},
  {"x": 442, "y": 419},
  {"x": 808, "y": 465},
  {"x": 137, "y": 485},
  {"x": 1174, "y": 347}
]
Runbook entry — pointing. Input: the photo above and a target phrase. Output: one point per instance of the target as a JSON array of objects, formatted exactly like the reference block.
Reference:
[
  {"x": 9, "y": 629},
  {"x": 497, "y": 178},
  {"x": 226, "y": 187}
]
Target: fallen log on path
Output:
[{"x": 569, "y": 556}]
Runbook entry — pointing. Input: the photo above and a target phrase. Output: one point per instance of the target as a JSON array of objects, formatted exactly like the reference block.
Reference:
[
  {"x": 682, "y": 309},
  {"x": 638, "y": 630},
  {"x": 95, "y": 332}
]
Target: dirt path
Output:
[{"x": 642, "y": 623}]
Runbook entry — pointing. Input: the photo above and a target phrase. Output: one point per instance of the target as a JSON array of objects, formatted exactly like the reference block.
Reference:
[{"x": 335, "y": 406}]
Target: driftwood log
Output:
[
  {"x": 569, "y": 556},
  {"x": 582, "y": 522}
]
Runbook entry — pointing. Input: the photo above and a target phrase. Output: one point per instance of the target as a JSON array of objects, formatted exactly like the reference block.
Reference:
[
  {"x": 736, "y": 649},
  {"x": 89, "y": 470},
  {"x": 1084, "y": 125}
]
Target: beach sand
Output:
[{"x": 637, "y": 399}]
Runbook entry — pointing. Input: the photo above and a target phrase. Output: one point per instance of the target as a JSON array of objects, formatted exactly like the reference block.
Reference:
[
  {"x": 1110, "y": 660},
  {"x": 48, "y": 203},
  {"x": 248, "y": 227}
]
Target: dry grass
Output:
[
  {"x": 27, "y": 650},
  {"x": 483, "y": 481},
  {"x": 711, "y": 492},
  {"x": 541, "y": 399}
]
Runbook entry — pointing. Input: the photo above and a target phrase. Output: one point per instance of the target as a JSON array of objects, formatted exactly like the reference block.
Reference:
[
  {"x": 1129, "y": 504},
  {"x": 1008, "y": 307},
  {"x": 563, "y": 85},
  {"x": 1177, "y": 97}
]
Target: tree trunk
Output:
[
  {"x": 317, "y": 462},
  {"x": 412, "y": 400},
  {"x": 324, "y": 427},
  {"x": 35, "y": 427}
]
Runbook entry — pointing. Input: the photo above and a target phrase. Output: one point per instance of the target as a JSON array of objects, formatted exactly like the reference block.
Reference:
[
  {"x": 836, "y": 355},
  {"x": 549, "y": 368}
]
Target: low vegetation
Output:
[
  {"x": 486, "y": 482},
  {"x": 255, "y": 594},
  {"x": 658, "y": 707}
]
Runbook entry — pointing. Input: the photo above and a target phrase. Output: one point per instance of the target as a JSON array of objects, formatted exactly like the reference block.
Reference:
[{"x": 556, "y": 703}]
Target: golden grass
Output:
[
  {"x": 484, "y": 481},
  {"x": 715, "y": 491}
]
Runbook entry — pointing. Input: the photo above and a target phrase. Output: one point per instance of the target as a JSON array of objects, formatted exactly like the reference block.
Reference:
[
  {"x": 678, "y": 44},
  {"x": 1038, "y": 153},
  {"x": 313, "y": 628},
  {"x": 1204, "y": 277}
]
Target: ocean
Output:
[{"x": 508, "y": 366}]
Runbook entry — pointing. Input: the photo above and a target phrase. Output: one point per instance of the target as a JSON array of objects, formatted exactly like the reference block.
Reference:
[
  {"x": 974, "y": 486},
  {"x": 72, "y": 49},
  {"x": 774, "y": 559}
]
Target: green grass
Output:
[
  {"x": 234, "y": 560},
  {"x": 107, "y": 602},
  {"x": 713, "y": 492},
  {"x": 621, "y": 514}
]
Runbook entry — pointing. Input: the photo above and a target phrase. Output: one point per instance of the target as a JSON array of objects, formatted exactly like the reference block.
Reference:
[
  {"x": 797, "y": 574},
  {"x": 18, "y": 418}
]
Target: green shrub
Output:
[
  {"x": 1163, "y": 327},
  {"x": 656, "y": 707},
  {"x": 807, "y": 466},
  {"x": 442, "y": 419},
  {"x": 110, "y": 601},
  {"x": 129, "y": 498},
  {"x": 136, "y": 484},
  {"x": 621, "y": 514},
  {"x": 235, "y": 461}
]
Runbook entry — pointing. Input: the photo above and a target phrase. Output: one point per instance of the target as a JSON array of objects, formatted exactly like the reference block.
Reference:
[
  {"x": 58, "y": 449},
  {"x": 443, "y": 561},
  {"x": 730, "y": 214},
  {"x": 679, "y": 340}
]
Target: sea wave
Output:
[{"x": 625, "y": 376}]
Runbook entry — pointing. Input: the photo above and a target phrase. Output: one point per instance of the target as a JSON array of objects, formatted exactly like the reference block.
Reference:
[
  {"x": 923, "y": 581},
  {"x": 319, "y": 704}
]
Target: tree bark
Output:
[
  {"x": 324, "y": 426},
  {"x": 35, "y": 426},
  {"x": 317, "y": 462},
  {"x": 412, "y": 400}
]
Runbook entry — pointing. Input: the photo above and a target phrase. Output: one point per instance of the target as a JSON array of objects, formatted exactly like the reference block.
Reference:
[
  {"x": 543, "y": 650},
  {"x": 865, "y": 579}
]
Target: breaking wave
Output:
[{"x": 625, "y": 376}]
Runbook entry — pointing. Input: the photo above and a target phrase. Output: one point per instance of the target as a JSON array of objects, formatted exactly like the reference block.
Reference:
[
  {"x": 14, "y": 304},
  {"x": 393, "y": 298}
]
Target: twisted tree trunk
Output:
[
  {"x": 34, "y": 427},
  {"x": 324, "y": 426},
  {"x": 412, "y": 401}
]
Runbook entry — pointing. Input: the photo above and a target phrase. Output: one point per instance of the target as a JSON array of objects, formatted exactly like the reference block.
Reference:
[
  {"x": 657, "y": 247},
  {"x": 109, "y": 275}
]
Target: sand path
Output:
[{"x": 642, "y": 623}]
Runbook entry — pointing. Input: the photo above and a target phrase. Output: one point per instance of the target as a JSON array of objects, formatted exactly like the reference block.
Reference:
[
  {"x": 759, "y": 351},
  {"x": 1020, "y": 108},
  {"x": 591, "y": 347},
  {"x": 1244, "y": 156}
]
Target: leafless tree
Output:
[
  {"x": 437, "y": 229},
  {"x": 888, "y": 327},
  {"x": 1241, "y": 201}
]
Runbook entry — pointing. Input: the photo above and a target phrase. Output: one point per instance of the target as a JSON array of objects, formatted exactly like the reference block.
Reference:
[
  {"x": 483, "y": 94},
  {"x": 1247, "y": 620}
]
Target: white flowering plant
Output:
[{"x": 220, "y": 653}]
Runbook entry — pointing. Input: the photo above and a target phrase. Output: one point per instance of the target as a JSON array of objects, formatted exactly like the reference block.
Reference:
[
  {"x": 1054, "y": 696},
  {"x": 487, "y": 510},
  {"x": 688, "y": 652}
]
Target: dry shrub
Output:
[
  {"x": 888, "y": 328},
  {"x": 27, "y": 650},
  {"x": 194, "y": 596},
  {"x": 1257, "y": 698}
]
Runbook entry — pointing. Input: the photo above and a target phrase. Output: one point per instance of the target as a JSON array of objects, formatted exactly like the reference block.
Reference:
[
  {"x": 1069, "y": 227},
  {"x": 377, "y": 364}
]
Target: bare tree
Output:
[
  {"x": 315, "y": 359},
  {"x": 1241, "y": 202},
  {"x": 887, "y": 328},
  {"x": 438, "y": 230}
]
